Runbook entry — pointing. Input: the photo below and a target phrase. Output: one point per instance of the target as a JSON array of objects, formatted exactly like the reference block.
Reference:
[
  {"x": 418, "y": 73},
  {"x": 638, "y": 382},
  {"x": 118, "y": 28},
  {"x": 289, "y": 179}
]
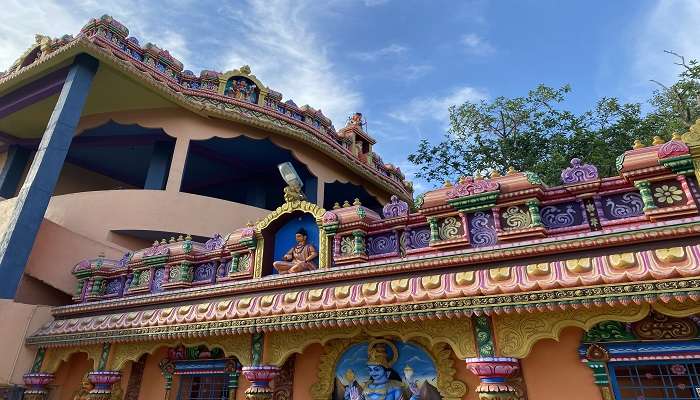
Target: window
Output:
[
  {"x": 677, "y": 380},
  {"x": 203, "y": 387}
]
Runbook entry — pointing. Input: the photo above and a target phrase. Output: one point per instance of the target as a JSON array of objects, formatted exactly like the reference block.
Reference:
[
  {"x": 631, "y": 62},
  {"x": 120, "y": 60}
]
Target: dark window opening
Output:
[
  {"x": 242, "y": 170},
  {"x": 678, "y": 379},
  {"x": 203, "y": 387}
]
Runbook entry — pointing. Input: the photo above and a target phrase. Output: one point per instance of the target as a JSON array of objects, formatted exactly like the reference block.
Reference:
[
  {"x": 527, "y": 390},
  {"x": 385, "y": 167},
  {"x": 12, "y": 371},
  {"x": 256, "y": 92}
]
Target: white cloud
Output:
[
  {"x": 436, "y": 108},
  {"x": 55, "y": 18},
  {"x": 391, "y": 50},
  {"x": 283, "y": 50},
  {"x": 476, "y": 45},
  {"x": 670, "y": 25},
  {"x": 412, "y": 71},
  {"x": 374, "y": 3}
]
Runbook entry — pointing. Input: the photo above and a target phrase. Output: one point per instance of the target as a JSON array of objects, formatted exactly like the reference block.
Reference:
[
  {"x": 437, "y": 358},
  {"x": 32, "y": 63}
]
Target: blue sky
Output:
[{"x": 400, "y": 62}]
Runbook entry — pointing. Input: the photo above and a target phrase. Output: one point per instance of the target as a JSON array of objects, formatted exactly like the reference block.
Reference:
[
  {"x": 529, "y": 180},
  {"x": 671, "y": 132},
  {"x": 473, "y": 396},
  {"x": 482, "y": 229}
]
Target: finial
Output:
[
  {"x": 249, "y": 224},
  {"x": 188, "y": 237},
  {"x": 163, "y": 241},
  {"x": 346, "y": 203},
  {"x": 356, "y": 202},
  {"x": 172, "y": 239},
  {"x": 155, "y": 243},
  {"x": 495, "y": 173},
  {"x": 511, "y": 171},
  {"x": 180, "y": 238},
  {"x": 657, "y": 141},
  {"x": 447, "y": 184},
  {"x": 637, "y": 144},
  {"x": 676, "y": 136},
  {"x": 462, "y": 179},
  {"x": 336, "y": 205},
  {"x": 478, "y": 176}
]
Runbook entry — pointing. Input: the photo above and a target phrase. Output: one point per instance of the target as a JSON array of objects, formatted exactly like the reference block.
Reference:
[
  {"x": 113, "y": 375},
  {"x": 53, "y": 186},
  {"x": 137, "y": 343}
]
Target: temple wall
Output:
[
  {"x": 57, "y": 249},
  {"x": 306, "y": 371},
  {"x": 95, "y": 214},
  {"x": 463, "y": 374},
  {"x": 153, "y": 383},
  {"x": 18, "y": 320},
  {"x": 69, "y": 377},
  {"x": 553, "y": 368}
]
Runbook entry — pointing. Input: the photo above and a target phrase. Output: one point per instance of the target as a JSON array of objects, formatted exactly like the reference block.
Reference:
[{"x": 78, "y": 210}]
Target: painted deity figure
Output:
[
  {"x": 384, "y": 383},
  {"x": 300, "y": 257}
]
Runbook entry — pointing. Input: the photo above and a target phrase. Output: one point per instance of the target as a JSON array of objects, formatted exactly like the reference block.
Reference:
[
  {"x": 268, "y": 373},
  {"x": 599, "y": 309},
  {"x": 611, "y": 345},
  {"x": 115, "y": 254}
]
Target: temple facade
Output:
[{"x": 152, "y": 250}]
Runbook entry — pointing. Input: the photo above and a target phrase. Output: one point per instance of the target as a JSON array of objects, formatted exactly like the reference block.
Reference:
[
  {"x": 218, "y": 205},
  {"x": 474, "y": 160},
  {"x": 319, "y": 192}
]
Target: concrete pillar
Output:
[
  {"x": 43, "y": 174},
  {"x": 11, "y": 173},
  {"x": 177, "y": 164},
  {"x": 159, "y": 165}
]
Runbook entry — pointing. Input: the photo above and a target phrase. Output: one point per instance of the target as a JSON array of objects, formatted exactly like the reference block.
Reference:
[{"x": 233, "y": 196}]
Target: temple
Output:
[{"x": 152, "y": 250}]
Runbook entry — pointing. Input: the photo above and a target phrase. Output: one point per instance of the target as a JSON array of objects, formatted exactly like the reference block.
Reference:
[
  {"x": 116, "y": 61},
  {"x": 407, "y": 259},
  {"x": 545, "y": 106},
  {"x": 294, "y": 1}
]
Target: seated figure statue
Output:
[{"x": 300, "y": 257}]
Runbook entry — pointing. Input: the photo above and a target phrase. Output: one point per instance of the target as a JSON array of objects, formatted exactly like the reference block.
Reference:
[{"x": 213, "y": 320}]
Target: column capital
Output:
[
  {"x": 37, "y": 383},
  {"x": 103, "y": 381},
  {"x": 494, "y": 374},
  {"x": 260, "y": 377}
]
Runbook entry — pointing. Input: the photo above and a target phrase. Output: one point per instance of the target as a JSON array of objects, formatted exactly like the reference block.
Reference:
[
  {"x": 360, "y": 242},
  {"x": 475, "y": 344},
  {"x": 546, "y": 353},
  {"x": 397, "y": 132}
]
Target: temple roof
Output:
[{"x": 234, "y": 95}]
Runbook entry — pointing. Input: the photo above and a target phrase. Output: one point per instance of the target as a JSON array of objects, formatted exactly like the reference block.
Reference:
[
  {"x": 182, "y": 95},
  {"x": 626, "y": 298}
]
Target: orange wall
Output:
[
  {"x": 554, "y": 368},
  {"x": 77, "y": 179},
  {"x": 69, "y": 376},
  {"x": 467, "y": 377},
  {"x": 153, "y": 383},
  {"x": 306, "y": 371}
]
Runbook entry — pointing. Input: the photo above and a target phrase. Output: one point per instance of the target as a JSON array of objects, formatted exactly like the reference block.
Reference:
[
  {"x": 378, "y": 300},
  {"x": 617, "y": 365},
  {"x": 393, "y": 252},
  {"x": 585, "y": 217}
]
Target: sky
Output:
[{"x": 401, "y": 63}]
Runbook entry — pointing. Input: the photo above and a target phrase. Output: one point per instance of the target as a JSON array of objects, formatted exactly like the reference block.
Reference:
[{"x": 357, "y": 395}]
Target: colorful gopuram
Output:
[{"x": 151, "y": 250}]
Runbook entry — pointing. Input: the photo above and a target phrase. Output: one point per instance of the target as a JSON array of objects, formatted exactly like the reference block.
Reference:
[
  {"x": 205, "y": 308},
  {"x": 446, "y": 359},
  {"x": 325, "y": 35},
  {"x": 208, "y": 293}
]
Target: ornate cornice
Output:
[
  {"x": 409, "y": 264},
  {"x": 612, "y": 295}
]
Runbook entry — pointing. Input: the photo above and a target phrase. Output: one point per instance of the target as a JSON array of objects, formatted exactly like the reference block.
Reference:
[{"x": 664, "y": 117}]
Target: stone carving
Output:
[
  {"x": 216, "y": 242},
  {"x": 469, "y": 186},
  {"x": 562, "y": 215},
  {"x": 624, "y": 205},
  {"x": 672, "y": 148},
  {"x": 418, "y": 238},
  {"x": 482, "y": 230},
  {"x": 515, "y": 217},
  {"x": 657, "y": 326},
  {"x": 382, "y": 244},
  {"x": 579, "y": 172},
  {"x": 395, "y": 208},
  {"x": 300, "y": 257}
]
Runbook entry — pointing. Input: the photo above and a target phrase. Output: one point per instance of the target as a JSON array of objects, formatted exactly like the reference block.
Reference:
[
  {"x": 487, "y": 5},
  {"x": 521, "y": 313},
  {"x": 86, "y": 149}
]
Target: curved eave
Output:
[{"x": 194, "y": 101}]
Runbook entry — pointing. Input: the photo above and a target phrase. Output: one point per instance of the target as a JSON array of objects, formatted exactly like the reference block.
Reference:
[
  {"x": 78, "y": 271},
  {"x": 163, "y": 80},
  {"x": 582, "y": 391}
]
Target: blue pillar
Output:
[
  {"x": 38, "y": 187},
  {"x": 11, "y": 173},
  {"x": 159, "y": 166},
  {"x": 311, "y": 189}
]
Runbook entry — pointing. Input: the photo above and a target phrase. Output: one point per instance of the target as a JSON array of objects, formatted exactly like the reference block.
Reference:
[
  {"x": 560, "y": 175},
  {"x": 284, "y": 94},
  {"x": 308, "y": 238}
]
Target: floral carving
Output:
[
  {"x": 329, "y": 217},
  {"x": 668, "y": 194},
  {"x": 482, "y": 230},
  {"x": 657, "y": 326},
  {"x": 515, "y": 217},
  {"x": 469, "y": 187},
  {"x": 672, "y": 148},
  {"x": 395, "y": 208},
  {"x": 215, "y": 243},
  {"x": 382, "y": 244},
  {"x": 347, "y": 245},
  {"x": 418, "y": 238},
  {"x": 579, "y": 172},
  {"x": 158, "y": 249},
  {"x": 450, "y": 228}
]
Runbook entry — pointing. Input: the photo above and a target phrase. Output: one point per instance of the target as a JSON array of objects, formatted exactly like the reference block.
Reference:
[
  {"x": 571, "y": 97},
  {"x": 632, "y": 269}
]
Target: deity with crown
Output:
[{"x": 384, "y": 382}]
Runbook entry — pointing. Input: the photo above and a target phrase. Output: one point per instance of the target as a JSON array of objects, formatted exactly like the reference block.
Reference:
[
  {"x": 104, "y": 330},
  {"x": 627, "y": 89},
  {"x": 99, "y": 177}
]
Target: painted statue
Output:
[
  {"x": 300, "y": 257},
  {"x": 379, "y": 380}
]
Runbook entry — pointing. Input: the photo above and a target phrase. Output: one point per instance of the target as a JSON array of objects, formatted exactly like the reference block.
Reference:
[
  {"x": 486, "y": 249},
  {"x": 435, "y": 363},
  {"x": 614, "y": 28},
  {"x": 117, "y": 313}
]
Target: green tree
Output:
[{"x": 536, "y": 133}]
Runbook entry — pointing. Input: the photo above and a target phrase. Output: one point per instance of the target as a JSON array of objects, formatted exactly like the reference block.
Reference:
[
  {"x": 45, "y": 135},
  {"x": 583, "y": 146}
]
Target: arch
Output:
[
  {"x": 238, "y": 346},
  {"x": 515, "y": 334},
  {"x": 263, "y": 254},
  {"x": 455, "y": 332},
  {"x": 56, "y": 355}
]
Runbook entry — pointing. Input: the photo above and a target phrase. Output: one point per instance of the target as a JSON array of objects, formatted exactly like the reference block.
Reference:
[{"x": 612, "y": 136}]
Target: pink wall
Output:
[
  {"x": 70, "y": 375},
  {"x": 18, "y": 320},
  {"x": 153, "y": 384},
  {"x": 553, "y": 368}
]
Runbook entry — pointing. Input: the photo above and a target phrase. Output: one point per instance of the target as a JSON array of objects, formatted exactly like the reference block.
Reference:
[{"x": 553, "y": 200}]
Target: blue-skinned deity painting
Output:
[{"x": 385, "y": 370}]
